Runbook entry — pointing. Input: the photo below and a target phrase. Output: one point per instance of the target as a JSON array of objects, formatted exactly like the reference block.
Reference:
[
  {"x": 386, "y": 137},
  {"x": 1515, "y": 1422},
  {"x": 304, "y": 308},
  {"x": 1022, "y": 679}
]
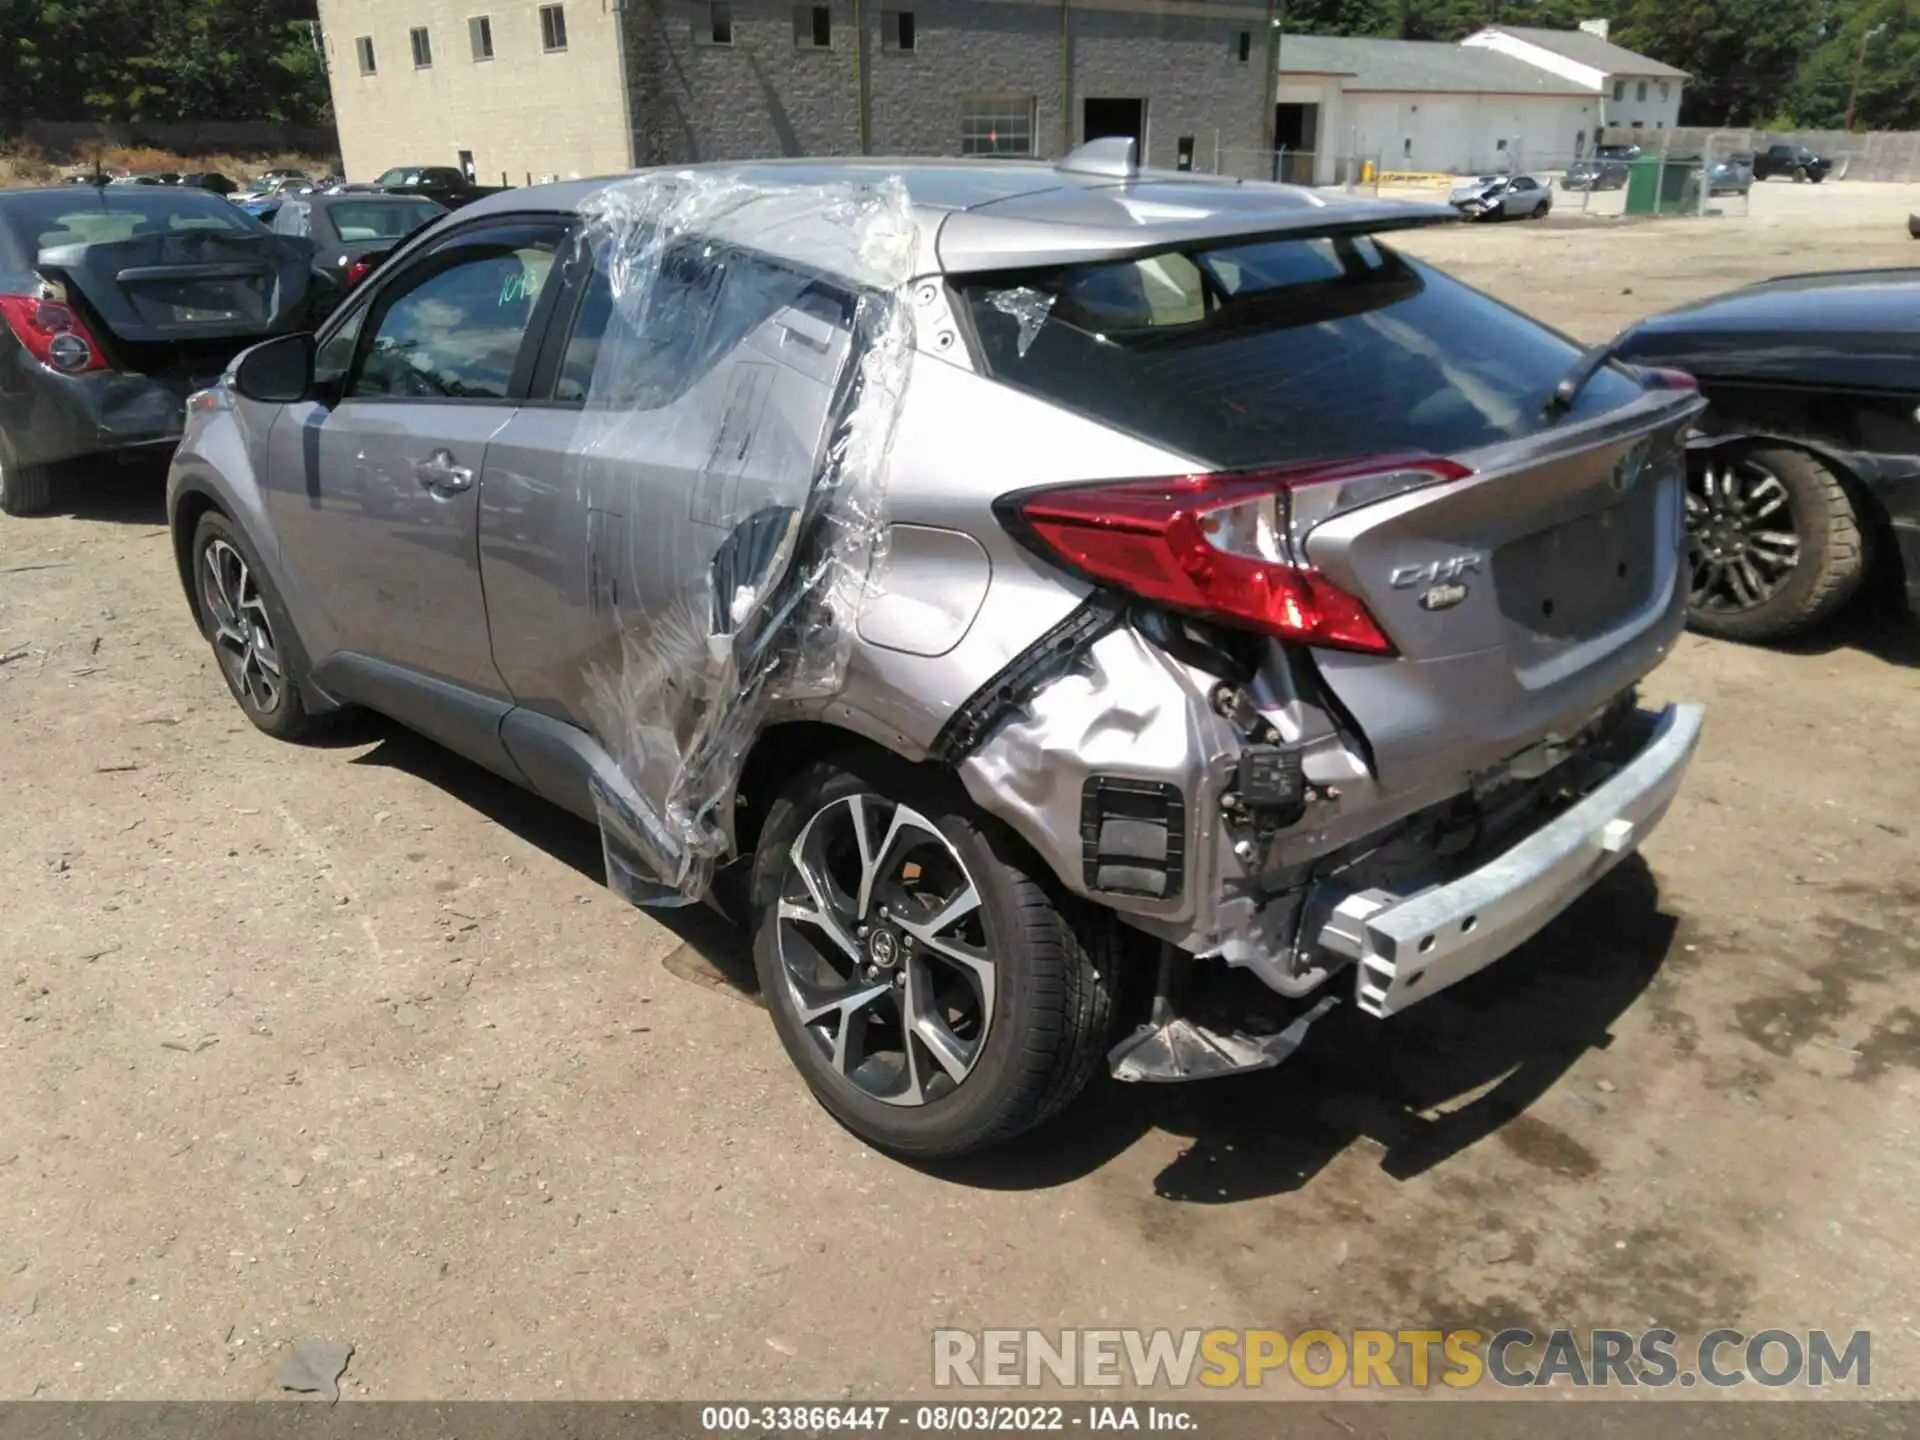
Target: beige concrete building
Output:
[
  {"x": 525, "y": 89},
  {"x": 536, "y": 88}
]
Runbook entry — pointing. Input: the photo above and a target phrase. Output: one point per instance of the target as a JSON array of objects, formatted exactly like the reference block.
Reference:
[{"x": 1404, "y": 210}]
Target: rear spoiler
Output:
[{"x": 980, "y": 240}]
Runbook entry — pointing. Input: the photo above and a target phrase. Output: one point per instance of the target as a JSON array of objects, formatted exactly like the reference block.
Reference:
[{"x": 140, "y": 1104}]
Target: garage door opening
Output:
[
  {"x": 1101, "y": 118},
  {"x": 1296, "y": 136}
]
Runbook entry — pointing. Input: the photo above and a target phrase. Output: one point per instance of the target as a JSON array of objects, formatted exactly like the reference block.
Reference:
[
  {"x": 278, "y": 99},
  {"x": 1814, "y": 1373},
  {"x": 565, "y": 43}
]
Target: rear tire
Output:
[
  {"x": 253, "y": 640},
  {"x": 24, "y": 489},
  {"x": 1828, "y": 553},
  {"x": 1024, "y": 1012}
]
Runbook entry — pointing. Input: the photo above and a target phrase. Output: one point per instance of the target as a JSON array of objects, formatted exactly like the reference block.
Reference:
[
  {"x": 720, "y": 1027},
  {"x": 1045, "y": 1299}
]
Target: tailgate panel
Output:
[
  {"x": 1580, "y": 578},
  {"x": 1521, "y": 598}
]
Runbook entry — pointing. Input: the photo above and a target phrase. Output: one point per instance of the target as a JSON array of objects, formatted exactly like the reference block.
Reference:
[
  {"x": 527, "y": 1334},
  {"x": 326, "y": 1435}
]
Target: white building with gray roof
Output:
[{"x": 1503, "y": 99}]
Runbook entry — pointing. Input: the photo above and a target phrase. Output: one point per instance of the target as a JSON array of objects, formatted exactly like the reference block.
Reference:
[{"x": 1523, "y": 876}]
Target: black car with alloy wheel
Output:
[
  {"x": 1804, "y": 474},
  {"x": 116, "y": 303}
]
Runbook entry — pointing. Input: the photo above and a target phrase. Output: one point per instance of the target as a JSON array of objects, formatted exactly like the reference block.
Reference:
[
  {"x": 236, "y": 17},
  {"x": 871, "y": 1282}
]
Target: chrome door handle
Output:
[{"x": 441, "y": 474}]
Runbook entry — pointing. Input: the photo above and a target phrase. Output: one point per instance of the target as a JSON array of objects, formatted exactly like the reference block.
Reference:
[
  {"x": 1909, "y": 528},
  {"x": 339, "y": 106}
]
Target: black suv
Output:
[{"x": 1795, "y": 160}]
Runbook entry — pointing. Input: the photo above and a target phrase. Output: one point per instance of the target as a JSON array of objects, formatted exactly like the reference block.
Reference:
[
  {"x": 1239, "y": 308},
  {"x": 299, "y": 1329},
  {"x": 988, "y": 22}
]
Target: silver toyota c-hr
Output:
[{"x": 1242, "y": 601}]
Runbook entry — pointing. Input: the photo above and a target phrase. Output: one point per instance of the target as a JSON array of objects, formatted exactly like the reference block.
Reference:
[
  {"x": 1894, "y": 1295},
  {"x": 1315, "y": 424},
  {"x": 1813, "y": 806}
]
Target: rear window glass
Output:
[
  {"x": 1278, "y": 351},
  {"x": 101, "y": 217},
  {"x": 705, "y": 301},
  {"x": 362, "y": 220}
]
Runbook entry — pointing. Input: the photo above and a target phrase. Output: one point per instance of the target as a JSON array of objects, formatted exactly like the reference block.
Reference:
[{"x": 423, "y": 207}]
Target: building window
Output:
[
  {"x": 1639, "y": 124},
  {"x": 996, "y": 125},
  {"x": 1619, "y": 89},
  {"x": 812, "y": 27},
  {"x": 1246, "y": 46},
  {"x": 363, "y": 50},
  {"x": 553, "y": 27},
  {"x": 1641, "y": 92},
  {"x": 720, "y": 23},
  {"x": 422, "y": 47},
  {"x": 480, "y": 32},
  {"x": 1666, "y": 90},
  {"x": 896, "y": 30}
]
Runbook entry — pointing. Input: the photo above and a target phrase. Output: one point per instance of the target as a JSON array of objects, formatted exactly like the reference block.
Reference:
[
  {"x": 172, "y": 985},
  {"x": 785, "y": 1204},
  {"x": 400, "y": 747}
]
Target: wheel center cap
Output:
[{"x": 883, "y": 948}]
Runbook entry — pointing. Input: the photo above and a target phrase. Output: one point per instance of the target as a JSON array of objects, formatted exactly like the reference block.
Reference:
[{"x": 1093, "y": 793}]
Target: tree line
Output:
[
  {"x": 121, "y": 60},
  {"x": 1773, "y": 64}
]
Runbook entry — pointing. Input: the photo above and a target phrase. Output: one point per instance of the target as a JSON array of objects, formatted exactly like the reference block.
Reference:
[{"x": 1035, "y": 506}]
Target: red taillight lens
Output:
[
  {"x": 1227, "y": 546},
  {"x": 1663, "y": 379},
  {"x": 52, "y": 333},
  {"x": 358, "y": 271}
]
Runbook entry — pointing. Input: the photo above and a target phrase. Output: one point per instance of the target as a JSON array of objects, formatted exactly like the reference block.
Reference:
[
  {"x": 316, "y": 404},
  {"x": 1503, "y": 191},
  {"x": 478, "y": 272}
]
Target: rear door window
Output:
[
  {"x": 704, "y": 301},
  {"x": 1279, "y": 350}
]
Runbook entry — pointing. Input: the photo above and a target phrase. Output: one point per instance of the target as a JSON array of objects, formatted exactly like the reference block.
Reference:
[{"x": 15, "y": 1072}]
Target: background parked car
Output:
[
  {"x": 1795, "y": 161},
  {"x": 446, "y": 185},
  {"x": 211, "y": 181},
  {"x": 117, "y": 302},
  {"x": 348, "y": 230},
  {"x": 1595, "y": 175},
  {"x": 1731, "y": 176},
  {"x": 1805, "y": 474},
  {"x": 1502, "y": 197}
]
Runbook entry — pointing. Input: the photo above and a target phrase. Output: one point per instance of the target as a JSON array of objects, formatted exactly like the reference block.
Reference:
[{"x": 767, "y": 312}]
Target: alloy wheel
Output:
[
  {"x": 243, "y": 635},
  {"x": 1743, "y": 541},
  {"x": 882, "y": 945}
]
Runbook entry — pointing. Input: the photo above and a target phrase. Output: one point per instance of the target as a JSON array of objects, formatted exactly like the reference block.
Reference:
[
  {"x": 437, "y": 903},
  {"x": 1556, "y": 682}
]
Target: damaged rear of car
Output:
[
  {"x": 115, "y": 305},
  {"x": 1352, "y": 683},
  {"x": 996, "y": 580},
  {"x": 1285, "y": 600}
]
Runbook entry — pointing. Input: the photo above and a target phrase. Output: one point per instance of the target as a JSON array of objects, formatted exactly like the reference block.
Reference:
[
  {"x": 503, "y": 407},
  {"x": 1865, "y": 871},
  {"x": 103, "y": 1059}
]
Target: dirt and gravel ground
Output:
[{"x": 348, "y": 1042}]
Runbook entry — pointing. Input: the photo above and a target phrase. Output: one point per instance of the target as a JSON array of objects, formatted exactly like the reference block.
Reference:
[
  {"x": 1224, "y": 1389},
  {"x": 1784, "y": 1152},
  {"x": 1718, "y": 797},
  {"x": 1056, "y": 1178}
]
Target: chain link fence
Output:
[
  {"x": 1293, "y": 167},
  {"x": 1885, "y": 155}
]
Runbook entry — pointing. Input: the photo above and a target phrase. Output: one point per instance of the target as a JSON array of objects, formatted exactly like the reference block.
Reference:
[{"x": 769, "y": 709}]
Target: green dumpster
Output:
[{"x": 1662, "y": 187}]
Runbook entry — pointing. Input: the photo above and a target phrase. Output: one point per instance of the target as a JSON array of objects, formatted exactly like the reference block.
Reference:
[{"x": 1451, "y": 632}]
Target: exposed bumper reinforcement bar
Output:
[{"x": 1407, "y": 949}]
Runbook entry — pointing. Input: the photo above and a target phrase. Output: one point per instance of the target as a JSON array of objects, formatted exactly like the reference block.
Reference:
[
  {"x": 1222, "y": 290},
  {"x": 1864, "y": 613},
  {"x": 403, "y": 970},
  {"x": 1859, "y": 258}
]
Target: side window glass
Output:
[
  {"x": 705, "y": 301},
  {"x": 455, "y": 331},
  {"x": 335, "y": 357},
  {"x": 583, "y": 345}
]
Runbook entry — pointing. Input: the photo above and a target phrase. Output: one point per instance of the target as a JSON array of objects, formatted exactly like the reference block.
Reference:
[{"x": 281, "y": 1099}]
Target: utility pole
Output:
[{"x": 1860, "y": 64}]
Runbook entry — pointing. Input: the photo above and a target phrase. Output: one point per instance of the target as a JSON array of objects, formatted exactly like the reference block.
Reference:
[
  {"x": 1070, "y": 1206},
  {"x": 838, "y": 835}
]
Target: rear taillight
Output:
[
  {"x": 1226, "y": 546},
  {"x": 52, "y": 333},
  {"x": 358, "y": 271},
  {"x": 1655, "y": 378}
]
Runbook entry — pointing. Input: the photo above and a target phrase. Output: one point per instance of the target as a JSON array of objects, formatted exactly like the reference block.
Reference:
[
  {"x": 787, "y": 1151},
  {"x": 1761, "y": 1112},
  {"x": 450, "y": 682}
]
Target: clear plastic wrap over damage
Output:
[
  {"x": 1029, "y": 309},
  {"x": 733, "y": 457}
]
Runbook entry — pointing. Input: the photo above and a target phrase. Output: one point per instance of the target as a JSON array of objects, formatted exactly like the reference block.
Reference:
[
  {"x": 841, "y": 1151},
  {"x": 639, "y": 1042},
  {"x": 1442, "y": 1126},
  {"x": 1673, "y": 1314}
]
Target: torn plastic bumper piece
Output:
[
  {"x": 1409, "y": 948},
  {"x": 1047, "y": 659},
  {"x": 1178, "y": 1048}
]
